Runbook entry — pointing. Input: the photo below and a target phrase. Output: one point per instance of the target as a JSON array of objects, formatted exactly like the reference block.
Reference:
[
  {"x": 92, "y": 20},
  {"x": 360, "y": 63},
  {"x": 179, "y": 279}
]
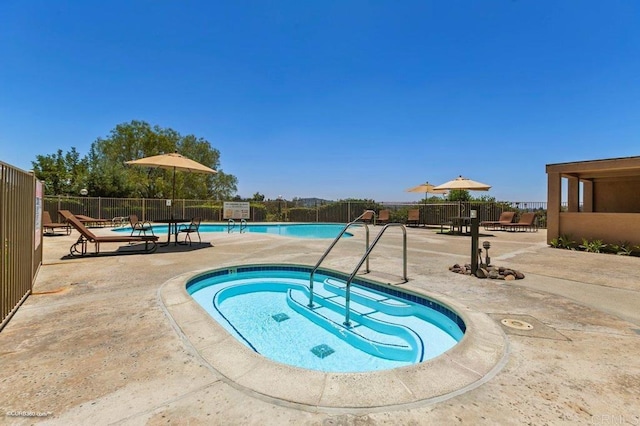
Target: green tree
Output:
[
  {"x": 62, "y": 174},
  {"x": 137, "y": 139},
  {"x": 104, "y": 172},
  {"x": 459, "y": 195}
]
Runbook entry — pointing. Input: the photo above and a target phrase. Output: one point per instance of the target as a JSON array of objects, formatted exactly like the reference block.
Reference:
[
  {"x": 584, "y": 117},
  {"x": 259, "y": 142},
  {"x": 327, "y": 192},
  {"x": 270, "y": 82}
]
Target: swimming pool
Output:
[
  {"x": 297, "y": 230},
  {"x": 265, "y": 307}
]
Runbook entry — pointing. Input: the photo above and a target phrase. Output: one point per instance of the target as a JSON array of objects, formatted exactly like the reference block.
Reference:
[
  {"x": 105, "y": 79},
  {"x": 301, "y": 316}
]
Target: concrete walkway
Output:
[{"x": 100, "y": 342}]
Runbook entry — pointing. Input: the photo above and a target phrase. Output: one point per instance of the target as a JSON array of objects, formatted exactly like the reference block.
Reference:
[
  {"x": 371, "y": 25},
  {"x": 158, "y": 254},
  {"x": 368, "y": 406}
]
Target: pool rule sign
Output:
[{"x": 236, "y": 210}]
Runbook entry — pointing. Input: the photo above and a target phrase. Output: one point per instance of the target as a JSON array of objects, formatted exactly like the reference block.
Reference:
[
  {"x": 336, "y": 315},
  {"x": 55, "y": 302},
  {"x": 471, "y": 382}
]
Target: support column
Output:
[
  {"x": 573, "y": 194},
  {"x": 554, "y": 201}
]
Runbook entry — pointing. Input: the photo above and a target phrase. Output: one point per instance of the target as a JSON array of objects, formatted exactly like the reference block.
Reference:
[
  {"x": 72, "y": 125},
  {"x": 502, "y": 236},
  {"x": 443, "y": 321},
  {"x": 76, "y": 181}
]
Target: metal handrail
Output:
[
  {"x": 347, "y": 322},
  {"x": 230, "y": 225},
  {"x": 335, "y": 241},
  {"x": 243, "y": 225}
]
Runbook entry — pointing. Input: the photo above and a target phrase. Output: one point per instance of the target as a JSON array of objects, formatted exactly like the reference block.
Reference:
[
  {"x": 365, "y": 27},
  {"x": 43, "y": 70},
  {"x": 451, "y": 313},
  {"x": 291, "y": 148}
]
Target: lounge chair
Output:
[
  {"x": 194, "y": 226},
  {"x": 88, "y": 220},
  {"x": 367, "y": 216},
  {"x": 527, "y": 222},
  {"x": 79, "y": 248},
  {"x": 504, "y": 219},
  {"x": 413, "y": 217},
  {"x": 140, "y": 226},
  {"x": 383, "y": 217},
  {"x": 48, "y": 224}
]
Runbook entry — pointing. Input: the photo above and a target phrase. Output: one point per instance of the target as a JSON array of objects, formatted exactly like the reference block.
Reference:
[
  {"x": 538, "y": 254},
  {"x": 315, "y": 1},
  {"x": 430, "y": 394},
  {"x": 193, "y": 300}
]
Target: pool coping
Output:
[{"x": 479, "y": 356}]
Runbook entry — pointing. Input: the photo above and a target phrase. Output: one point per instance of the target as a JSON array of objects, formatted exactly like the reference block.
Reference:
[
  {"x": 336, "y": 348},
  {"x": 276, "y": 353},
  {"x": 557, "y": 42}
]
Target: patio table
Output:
[
  {"x": 459, "y": 222},
  {"x": 172, "y": 223}
]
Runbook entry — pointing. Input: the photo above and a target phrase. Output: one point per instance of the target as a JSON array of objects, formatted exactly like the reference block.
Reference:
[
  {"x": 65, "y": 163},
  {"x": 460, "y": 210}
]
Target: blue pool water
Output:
[
  {"x": 298, "y": 230},
  {"x": 265, "y": 307}
]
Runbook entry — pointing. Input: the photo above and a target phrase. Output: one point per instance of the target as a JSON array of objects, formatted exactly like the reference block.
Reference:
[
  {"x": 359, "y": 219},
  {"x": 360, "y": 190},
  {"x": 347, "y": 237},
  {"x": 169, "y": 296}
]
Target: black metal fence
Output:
[{"x": 432, "y": 214}]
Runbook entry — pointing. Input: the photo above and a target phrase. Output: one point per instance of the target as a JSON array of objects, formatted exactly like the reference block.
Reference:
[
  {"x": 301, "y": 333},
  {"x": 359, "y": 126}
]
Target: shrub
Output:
[{"x": 595, "y": 246}]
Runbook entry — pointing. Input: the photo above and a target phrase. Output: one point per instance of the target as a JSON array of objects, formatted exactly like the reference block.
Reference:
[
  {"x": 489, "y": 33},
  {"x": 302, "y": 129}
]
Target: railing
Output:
[
  {"x": 347, "y": 321},
  {"x": 231, "y": 225},
  {"x": 335, "y": 241}
]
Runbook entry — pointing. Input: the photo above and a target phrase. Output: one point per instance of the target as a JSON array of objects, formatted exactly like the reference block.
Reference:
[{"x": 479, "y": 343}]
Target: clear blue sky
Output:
[{"x": 332, "y": 99}]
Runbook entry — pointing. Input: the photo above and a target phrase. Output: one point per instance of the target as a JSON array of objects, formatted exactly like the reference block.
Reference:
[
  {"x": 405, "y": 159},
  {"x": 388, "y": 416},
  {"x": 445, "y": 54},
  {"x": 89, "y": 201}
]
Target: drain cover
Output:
[
  {"x": 322, "y": 351},
  {"x": 280, "y": 317},
  {"x": 517, "y": 324}
]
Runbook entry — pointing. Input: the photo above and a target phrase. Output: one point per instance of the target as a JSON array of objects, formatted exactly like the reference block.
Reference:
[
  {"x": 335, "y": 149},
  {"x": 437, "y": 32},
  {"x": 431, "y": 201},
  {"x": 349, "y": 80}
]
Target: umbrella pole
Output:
[{"x": 173, "y": 192}]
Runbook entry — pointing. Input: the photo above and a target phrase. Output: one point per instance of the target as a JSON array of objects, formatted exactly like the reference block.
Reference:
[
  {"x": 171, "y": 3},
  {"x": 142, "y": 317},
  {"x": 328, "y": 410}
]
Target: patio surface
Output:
[{"x": 107, "y": 340}]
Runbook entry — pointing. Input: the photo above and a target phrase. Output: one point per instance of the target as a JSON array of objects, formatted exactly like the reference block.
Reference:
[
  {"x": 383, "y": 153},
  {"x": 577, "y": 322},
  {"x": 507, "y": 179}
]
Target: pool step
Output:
[
  {"x": 391, "y": 306},
  {"x": 371, "y": 335},
  {"x": 381, "y": 302}
]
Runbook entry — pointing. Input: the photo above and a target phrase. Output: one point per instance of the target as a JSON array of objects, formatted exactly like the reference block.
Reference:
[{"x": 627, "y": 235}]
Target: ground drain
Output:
[
  {"x": 527, "y": 326},
  {"x": 517, "y": 324}
]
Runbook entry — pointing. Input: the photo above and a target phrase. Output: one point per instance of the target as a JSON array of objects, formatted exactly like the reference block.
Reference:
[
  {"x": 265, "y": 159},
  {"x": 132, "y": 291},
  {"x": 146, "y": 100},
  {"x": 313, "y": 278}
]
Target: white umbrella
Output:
[
  {"x": 173, "y": 161},
  {"x": 427, "y": 188},
  {"x": 463, "y": 183}
]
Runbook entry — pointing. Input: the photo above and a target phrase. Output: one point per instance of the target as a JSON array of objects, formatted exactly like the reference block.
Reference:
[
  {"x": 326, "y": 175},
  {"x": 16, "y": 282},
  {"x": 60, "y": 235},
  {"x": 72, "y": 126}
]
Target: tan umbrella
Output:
[
  {"x": 463, "y": 183},
  {"x": 427, "y": 188},
  {"x": 172, "y": 161}
]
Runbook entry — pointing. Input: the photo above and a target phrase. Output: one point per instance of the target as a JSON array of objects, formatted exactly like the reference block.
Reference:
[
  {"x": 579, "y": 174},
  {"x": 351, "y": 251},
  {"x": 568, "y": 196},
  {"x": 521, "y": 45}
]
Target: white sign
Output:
[
  {"x": 38, "y": 218},
  {"x": 236, "y": 210}
]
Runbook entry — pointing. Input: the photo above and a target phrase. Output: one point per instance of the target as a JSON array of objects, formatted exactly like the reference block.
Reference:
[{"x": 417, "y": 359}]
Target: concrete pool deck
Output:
[{"x": 100, "y": 340}]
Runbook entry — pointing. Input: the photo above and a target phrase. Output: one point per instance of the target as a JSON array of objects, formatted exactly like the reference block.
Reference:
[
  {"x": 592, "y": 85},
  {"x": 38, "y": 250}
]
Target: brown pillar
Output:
[
  {"x": 573, "y": 194},
  {"x": 554, "y": 199},
  {"x": 587, "y": 196}
]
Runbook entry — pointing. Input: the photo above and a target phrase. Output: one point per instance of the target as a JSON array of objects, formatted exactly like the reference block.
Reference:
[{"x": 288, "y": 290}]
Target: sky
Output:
[{"x": 332, "y": 99}]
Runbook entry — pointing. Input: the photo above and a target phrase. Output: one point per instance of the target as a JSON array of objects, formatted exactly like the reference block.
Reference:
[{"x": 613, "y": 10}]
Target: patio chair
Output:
[
  {"x": 504, "y": 219},
  {"x": 88, "y": 220},
  {"x": 527, "y": 222},
  {"x": 140, "y": 226},
  {"x": 413, "y": 217},
  {"x": 48, "y": 224},
  {"x": 79, "y": 248},
  {"x": 194, "y": 226},
  {"x": 383, "y": 217}
]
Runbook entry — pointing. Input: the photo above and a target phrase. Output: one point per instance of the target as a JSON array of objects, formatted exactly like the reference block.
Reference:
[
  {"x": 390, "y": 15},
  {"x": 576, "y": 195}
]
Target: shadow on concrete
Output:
[{"x": 133, "y": 249}]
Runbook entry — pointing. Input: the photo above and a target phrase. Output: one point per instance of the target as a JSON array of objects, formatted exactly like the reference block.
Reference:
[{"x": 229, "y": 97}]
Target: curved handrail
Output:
[
  {"x": 230, "y": 225},
  {"x": 335, "y": 241},
  {"x": 243, "y": 225},
  {"x": 347, "y": 322}
]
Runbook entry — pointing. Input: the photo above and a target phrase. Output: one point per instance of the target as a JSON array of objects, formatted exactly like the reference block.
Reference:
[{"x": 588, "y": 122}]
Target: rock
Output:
[{"x": 484, "y": 271}]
